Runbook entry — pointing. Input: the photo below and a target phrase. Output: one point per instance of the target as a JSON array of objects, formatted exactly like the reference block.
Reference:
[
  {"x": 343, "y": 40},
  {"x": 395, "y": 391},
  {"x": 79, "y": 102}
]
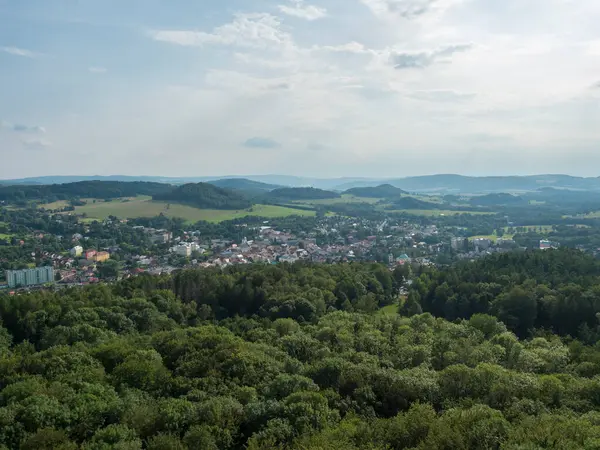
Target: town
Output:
[{"x": 117, "y": 248}]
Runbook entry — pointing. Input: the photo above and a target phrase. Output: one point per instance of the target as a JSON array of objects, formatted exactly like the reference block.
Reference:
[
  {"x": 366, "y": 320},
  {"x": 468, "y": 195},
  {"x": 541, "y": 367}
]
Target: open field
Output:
[
  {"x": 146, "y": 207},
  {"x": 55, "y": 205},
  {"x": 437, "y": 212}
]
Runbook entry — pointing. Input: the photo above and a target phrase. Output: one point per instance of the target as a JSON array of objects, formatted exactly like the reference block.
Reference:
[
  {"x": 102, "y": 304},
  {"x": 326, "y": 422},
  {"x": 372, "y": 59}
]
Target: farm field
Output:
[
  {"x": 55, "y": 205},
  {"x": 438, "y": 212},
  {"x": 146, "y": 207}
]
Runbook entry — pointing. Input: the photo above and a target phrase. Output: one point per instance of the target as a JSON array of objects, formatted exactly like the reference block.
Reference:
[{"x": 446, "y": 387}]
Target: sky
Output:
[{"x": 322, "y": 88}]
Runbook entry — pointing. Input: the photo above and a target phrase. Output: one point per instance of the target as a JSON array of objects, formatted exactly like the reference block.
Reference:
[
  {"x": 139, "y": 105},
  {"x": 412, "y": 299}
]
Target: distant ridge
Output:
[{"x": 443, "y": 183}]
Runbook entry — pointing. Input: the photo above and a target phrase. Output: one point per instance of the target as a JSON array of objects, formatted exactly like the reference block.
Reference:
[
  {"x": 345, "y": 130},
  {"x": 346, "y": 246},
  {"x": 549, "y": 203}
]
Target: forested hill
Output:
[
  {"x": 204, "y": 195},
  {"x": 261, "y": 357},
  {"x": 243, "y": 184},
  {"x": 558, "y": 290},
  {"x": 301, "y": 193},
  {"x": 82, "y": 189},
  {"x": 383, "y": 191}
]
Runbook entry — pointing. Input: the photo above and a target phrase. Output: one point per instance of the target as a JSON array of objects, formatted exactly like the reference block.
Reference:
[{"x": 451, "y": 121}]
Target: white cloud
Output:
[
  {"x": 97, "y": 69},
  {"x": 16, "y": 51},
  {"x": 423, "y": 59},
  {"x": 303, "y": 11},
  {"x": 408, "y": 9},
  {"x": 350, "y": 47},
  {"x": 36, "y": 143},
  {"x": 256, "y": 30}
]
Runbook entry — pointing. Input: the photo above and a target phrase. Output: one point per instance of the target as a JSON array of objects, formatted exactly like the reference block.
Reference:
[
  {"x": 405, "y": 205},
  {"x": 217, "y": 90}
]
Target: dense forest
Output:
[
  {"x": 82, "y": 189},
  {"x": 383, "y": 191},
  {"x": 243, "y": 184},
  {"x": 556, "y": 290},
  {"x": 303, "y": 193},
  {"x": 294, "y": 357},
  {"x": 204, "y": 195}
]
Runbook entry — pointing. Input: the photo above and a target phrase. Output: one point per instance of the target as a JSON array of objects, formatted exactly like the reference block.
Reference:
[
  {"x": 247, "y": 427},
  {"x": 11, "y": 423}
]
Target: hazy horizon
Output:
[
  {"x": 310, "y": 88},
  {"x": 284, "y": 175}
]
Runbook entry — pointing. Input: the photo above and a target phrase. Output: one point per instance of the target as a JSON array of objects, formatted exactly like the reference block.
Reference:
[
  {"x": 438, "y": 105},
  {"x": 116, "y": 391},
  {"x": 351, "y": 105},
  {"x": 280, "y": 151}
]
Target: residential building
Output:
[
  {"x": 102, "y": 257},
  {"x": 184, "y": 250},
  {"x": 482, "y": 243},
  {"x": 30, "y": 277},
  {"x": 90, "y": 255},
  {"x": 547, "y": 245},
  {"x": 403, "y": 259},
  {"x": 458, "y": 243},
  {"x": 77, "y": 251},
  {"x": 162, "y": 237}
]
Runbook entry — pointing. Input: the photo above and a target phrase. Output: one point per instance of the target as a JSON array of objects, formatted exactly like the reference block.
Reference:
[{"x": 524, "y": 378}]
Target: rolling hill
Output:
[
  {"x": 244, "y": 184},
  {"x": 302, "y": 193},
  {"x": 204, "y": 195},
  {"x": 382, "y": 191}
]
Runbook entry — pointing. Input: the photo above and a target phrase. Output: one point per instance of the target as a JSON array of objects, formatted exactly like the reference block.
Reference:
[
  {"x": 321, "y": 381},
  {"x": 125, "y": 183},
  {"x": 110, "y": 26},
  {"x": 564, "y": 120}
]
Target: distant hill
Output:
[
  {"x": 244, "y": 184},
  {"x": 382, "y": 191},
  {"x": 206, "y": 196},
  {"x": 302, "y": 193},
  {"x": 497, "y": 200},
  {"x": 82, "y": 189},
  {"x": 444, "y": 183},
  {"x": 459, "y": 183}
]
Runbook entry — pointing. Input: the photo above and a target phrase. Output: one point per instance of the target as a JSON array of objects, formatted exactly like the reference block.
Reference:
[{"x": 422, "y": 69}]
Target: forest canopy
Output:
[{"x": 293, "y": 357}]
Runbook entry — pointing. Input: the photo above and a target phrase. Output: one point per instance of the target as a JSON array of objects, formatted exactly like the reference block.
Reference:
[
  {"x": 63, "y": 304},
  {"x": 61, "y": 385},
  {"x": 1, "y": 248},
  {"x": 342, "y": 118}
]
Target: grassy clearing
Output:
[
  {"x": 146, "y": 207},
  {"x": 389, "y": 310},
  {"x": 60, "y": 204},
  {"x": 438, "y": 212},
  {"x": 5, "y": 236}
]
